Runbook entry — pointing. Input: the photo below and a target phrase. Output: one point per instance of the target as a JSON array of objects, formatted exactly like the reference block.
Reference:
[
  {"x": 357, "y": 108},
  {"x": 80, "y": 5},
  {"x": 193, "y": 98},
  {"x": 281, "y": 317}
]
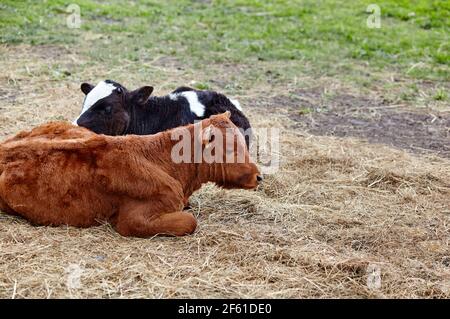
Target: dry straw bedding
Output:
[{"x": 336, "y": 208}]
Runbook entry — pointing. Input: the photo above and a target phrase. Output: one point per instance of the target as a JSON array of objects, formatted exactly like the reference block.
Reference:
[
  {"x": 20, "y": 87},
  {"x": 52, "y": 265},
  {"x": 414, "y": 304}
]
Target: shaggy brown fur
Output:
[{"x": 60, "y": 174}]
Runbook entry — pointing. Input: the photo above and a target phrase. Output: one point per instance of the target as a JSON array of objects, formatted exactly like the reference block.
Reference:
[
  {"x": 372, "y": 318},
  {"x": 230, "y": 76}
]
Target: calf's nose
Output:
[{"x": 259, "y": 178}]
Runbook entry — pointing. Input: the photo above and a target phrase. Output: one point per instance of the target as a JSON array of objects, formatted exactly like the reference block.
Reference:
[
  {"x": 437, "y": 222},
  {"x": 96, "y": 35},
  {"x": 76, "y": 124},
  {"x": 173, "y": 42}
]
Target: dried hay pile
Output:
[{"x": 342, "y": 218}]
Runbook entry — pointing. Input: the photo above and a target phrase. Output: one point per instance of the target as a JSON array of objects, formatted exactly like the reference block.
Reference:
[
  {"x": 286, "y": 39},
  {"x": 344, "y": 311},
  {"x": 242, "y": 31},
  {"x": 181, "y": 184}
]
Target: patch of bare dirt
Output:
[{"x": 418, "y": 131}]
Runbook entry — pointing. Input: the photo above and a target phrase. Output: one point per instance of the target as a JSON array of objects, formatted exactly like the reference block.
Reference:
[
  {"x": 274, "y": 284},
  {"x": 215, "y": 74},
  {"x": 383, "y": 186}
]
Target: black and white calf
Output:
[{"x": 109, "y": 108}]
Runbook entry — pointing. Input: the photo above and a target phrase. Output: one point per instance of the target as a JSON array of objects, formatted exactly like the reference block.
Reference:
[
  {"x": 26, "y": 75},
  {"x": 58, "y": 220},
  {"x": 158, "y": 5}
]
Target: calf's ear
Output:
[
  {"x": 226, "y": 114},
  {"x": 141, "y": 95},
  {"x": 86, "y": 88}
]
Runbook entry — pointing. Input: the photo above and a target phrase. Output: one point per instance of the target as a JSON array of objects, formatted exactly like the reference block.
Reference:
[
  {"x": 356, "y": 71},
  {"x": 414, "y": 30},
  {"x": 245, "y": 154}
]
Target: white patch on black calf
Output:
[
  {"x": 236, "y": 104},
  {"x": 100, "y": 91},
  {"x": 194, "y": 104}
]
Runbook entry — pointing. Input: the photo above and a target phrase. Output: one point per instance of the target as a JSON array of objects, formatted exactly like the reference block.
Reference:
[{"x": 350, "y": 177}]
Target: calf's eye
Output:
[{"x": 108, "y": 110}]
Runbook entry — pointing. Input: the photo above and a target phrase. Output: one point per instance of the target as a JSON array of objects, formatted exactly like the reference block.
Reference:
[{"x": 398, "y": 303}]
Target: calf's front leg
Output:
[
  {"x": 5, "y": 208},
  {"x": 139, "y": 221}
]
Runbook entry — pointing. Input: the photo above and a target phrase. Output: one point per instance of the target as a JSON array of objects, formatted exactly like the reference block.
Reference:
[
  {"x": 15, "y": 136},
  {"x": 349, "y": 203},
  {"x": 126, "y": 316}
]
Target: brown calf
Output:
[{"x": 60, "y": 174}]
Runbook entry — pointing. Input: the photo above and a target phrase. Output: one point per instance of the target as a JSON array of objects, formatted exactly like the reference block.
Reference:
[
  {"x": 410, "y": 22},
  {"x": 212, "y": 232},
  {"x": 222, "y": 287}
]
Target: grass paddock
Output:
[{"x": 364, "y": 184}]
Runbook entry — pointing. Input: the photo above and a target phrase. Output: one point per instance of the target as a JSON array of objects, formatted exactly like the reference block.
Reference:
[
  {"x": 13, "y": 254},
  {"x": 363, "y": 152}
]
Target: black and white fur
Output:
[{"x": 109, "y": 108}]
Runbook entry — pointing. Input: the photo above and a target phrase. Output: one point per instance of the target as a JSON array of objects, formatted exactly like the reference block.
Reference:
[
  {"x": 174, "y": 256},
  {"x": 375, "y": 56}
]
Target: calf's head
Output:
[
  {"x": 225, "y": 153},
  {"x": 107, "y": 106}
]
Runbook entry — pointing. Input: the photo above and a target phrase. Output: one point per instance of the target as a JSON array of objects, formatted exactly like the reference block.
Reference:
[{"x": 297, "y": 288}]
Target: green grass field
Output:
[{"x": 323, "y": 37}]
